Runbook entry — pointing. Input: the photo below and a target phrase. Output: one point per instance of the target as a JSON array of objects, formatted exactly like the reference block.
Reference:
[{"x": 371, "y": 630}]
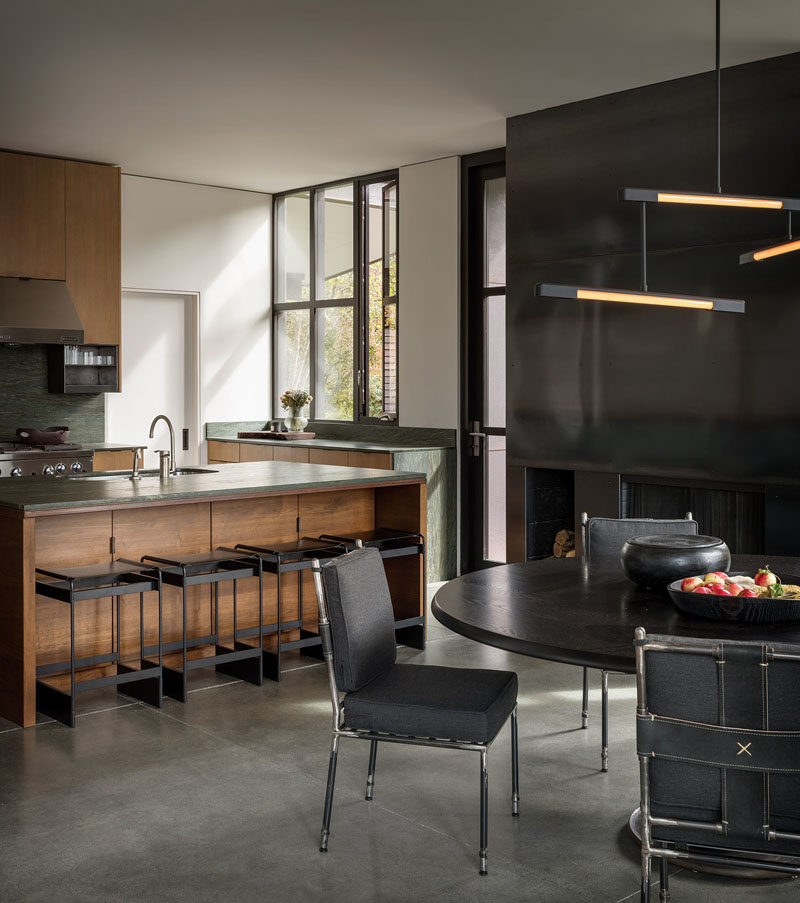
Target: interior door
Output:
[
  {"x": 484, "y": 468},
  {"x": 159, "y": 375}
]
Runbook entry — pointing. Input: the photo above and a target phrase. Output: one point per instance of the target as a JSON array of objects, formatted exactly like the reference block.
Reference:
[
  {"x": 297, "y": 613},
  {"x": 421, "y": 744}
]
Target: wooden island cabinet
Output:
[{"x": 60, "y": 523}]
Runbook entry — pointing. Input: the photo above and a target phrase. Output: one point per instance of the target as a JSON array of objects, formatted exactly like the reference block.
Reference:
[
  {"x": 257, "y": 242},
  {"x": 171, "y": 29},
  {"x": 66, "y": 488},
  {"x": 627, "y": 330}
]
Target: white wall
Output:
[
  {"x": 214, "y": 241},
  {"x": 429, "y": 293}
]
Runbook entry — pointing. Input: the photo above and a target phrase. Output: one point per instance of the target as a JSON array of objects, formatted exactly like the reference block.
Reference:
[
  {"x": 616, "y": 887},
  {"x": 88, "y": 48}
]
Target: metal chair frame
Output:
[
  {"x": 339, "y": 731},
  {"x": 670, "y": 851},
  {"x": 143, "y": 682},
  {"x": 604, "y": 675}
]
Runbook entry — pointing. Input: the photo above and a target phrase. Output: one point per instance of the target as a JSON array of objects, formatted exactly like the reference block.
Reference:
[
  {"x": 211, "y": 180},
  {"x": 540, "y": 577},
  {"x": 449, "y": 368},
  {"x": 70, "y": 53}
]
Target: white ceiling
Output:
[{"x": 275, "y": 94}]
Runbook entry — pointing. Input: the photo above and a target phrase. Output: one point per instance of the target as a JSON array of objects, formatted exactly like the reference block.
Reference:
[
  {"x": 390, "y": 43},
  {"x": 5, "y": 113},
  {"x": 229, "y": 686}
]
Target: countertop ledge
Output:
[{"x": 37, "y": 494}]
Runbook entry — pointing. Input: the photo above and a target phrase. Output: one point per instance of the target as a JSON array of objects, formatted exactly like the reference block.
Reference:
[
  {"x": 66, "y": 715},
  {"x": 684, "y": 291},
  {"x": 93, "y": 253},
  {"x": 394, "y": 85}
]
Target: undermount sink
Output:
[{"x": 126, "y": 474}]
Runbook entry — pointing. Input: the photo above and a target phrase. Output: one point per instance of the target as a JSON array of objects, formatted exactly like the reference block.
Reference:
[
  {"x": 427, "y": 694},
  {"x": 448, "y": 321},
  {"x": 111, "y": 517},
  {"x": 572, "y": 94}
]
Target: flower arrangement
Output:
[{"x": 295, "y": 400}]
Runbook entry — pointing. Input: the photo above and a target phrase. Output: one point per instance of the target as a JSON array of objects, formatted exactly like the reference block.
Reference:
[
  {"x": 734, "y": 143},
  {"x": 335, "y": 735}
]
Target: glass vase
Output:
[{"x": 295, "y": 422}]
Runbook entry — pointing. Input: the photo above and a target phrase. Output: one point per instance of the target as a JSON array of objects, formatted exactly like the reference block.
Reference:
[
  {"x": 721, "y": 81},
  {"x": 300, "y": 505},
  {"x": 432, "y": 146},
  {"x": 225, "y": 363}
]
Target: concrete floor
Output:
[{"x": 221, "y": 799}]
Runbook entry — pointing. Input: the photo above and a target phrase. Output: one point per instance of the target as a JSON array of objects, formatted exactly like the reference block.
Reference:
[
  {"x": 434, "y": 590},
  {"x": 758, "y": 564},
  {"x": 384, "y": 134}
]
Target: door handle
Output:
[{"x": 477, "y": 435}]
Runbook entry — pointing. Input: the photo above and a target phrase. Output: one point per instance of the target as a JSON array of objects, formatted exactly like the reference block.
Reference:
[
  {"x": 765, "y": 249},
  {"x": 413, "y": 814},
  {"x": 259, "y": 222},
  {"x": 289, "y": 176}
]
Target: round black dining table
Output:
[{"x": 566, "y": 610}]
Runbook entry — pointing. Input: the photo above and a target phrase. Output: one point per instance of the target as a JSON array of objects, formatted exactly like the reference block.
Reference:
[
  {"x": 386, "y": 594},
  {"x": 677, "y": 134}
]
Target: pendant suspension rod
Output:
[
  {"x": 789, "y": 225},
  {"x": 643, "y": 238},
  {"x": 719, "y": 106}
]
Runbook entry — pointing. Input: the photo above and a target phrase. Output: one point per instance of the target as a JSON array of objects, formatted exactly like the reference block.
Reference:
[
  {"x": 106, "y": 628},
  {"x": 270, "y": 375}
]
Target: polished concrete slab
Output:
[{"x": 221, "y": 799}]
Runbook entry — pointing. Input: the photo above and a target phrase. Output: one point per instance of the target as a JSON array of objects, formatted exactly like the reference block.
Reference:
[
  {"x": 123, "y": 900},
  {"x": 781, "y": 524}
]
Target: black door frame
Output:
[{"x": 475, "y": 169}]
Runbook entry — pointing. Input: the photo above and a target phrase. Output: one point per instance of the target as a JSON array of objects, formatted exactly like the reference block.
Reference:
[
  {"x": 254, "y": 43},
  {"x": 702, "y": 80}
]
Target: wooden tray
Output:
[{"x": 266, "y": 434}]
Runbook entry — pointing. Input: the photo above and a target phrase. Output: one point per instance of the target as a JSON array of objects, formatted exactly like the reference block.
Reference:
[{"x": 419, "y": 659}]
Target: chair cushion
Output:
[
  {"x": 362, "y": 618},
  {"x": 432, "y": 701}
]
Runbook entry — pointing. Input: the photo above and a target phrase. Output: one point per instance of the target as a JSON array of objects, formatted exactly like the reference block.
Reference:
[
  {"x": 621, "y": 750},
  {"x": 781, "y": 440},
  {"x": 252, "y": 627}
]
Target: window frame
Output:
[{"x": 359, "y": 303}]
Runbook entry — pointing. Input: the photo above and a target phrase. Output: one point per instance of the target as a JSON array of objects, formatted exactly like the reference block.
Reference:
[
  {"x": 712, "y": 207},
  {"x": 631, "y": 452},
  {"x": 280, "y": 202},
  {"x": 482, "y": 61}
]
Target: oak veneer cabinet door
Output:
[
  {"x": 93, "y": 261},
  {"x": 115, "y": 460},
  {"x": 248, "y": 452},
  {"x": 223, "y": 452},
  {"x": 327, "y": 456},
  {"x": 292, "y": 453},
  {"x": 31, "y": 216},
  {"x": 376, "y": 460}
]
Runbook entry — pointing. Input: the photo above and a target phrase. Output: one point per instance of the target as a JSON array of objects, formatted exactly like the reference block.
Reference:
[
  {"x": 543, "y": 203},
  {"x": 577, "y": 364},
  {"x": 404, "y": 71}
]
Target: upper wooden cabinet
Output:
[
  {"x": 93, "y": 259},
  {"x": 61, "y": 220},
  {"x": 32, "y": 216}
]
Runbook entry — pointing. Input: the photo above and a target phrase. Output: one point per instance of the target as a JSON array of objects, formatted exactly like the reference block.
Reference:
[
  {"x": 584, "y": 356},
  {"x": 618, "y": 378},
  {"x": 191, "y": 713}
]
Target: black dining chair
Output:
[
  {"x": 718, "y": 740},
  {"x": 604, "y": 537},
  {"x": 383, "y": 701}
]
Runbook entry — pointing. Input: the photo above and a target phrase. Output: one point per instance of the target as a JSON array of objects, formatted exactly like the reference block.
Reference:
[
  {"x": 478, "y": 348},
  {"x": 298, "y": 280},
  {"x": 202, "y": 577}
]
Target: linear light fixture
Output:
[
  {"x": 785, "y": 247},
  {"x": 583, "y": 293},
  {"x": 657, "y": 196},
  {"x": 774, "y": 251}
]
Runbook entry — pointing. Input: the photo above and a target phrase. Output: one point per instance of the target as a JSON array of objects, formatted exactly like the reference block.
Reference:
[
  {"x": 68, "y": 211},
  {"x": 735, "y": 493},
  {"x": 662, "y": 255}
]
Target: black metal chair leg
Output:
[
  {"x": 484, "y": 811},
  {"x": 585, "y": 704},
  {"x": 604, "y": 751},
  {"x": 326, "y": 816},
  {"x": 514, "y": 765},
  {"x": 663, "y": 894},
  {"x": 373, "y": 752}
]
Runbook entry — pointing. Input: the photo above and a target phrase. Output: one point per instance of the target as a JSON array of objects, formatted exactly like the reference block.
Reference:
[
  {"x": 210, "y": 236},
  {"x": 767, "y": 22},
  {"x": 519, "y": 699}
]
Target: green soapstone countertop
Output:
[
  {"x": 31, "y": 494},
  {"x": 338, "y": 444}
]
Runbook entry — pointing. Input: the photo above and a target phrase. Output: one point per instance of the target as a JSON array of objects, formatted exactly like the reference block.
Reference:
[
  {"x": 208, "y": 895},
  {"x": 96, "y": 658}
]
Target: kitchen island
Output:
[{"x": 94, "y": 519}]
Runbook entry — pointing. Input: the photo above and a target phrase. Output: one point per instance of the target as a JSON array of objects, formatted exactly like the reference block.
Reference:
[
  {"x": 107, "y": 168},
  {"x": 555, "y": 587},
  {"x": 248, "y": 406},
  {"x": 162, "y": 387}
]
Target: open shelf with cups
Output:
[{"x": 83, "y": 368}]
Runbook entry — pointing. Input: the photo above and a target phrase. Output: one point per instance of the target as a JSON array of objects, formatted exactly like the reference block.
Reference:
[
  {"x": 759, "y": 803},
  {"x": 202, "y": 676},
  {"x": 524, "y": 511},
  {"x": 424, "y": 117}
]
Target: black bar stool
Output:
[
  {"x": 242, "y": 660},
  {"x": 73, "y": 585},
  {"x": 395, "y": 544},
  {"x": 283, "y": 558}
]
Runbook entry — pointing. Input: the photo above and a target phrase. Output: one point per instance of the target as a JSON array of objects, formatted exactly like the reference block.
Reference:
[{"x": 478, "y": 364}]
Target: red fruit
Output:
[
  {"x": 713, "y": 577},
  {"x": 702, "y": 589},
  {"x": 720, "y": 574},
  {"x": 765, "y": 577},
  {"x": 748, "y": 593},
  {"x": 689, "y": 583},
  {"x": 734, "y": 589},
  {"x": 717, "y": 589}
]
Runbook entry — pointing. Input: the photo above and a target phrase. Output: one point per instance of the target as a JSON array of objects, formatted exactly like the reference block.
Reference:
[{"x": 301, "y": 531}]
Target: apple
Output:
[
  {"x": 714, "y": 577},
  {"x": 765, "y": 577},
  {"x": 702, "y": 589},
  {"x": 689, "y": 583},
  {"x": 720, "y": 574},
  {"x": 734, "y": 589},
  {"x": 717, "y": 589},
  {"x": 748, "y": 593}
]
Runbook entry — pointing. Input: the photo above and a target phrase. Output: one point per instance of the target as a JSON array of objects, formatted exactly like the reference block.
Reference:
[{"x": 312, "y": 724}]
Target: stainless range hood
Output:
[{"x": 38, "y": 312}]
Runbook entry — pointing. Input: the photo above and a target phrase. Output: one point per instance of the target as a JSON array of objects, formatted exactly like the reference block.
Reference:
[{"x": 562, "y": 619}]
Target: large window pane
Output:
[
  {"x": 292, "y": 349},
  {"x": 335, "y": 242},
  {"x": 381, "y": 213},
  {"x": 294, "y": 258},
  {"x": 495, "y": 219},
  {"x": 334, "y": 399}
]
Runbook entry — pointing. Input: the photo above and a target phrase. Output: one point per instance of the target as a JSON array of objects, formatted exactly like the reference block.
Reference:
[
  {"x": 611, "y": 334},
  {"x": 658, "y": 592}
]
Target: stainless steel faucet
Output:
[{"x": 172, "y": 465}]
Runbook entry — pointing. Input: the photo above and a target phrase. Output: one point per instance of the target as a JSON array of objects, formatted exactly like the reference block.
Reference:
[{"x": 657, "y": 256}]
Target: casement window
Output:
[{"x": 336, "y": 298}]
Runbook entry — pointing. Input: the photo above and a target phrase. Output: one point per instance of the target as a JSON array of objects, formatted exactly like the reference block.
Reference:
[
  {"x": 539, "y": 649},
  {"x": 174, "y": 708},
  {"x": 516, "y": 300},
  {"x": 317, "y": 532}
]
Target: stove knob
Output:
[
  {"x": 76, "y": 467},
  {"x": 61, "y": 468},
  {"x": 16, "y": 471},
  {"x": 48, "y": 470}
]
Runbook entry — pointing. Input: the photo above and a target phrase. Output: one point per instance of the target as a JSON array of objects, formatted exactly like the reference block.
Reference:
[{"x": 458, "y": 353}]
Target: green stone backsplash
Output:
[{"x": 25, "y": 401}]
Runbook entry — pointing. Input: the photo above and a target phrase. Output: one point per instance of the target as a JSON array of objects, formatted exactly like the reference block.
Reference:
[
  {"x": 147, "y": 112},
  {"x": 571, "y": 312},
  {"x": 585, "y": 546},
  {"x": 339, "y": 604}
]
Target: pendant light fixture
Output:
[
  {"x": 785, "y": 247},
  {"x": 718, "y": 198},
  {"x": 657, "y": 299}
]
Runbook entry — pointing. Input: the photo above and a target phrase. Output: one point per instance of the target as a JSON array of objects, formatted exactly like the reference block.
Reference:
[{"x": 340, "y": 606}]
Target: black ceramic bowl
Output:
[{"x": 656, "y": 561}]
